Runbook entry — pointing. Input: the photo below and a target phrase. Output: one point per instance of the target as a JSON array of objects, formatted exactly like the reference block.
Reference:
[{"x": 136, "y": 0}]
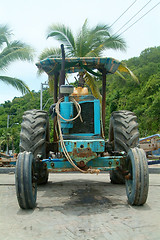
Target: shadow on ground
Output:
[{"x": 81, "y": 196}]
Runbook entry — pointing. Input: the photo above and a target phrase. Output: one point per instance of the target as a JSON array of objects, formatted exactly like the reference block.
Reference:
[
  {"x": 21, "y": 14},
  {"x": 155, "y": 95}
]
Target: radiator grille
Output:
[{"x": 87, "y": 113}]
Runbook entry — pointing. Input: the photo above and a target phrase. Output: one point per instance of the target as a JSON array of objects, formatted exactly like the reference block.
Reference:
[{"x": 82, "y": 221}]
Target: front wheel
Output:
[
  {"x": 25, "y": 180},
  {"x": 137, "y": 178}
]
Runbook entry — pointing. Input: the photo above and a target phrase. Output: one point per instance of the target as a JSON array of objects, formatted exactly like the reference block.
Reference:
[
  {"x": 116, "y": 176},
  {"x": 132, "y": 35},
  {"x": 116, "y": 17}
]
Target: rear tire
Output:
[
  {"x": 137, "y": 180},
  {"x": 123, "y": 135},
  {"x": 34, "y": 137},
  {"x": 25, "y": 180}
]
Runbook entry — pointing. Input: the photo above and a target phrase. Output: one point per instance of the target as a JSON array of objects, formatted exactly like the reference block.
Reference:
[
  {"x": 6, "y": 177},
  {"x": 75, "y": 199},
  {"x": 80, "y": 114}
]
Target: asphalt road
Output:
[{"x": 79, "y": 206}]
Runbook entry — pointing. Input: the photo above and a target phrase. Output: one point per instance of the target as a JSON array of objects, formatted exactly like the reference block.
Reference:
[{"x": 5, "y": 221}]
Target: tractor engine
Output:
[{"x": 82, "y": 135}]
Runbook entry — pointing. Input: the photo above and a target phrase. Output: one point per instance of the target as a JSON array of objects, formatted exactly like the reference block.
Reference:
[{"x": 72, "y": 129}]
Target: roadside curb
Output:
[
  {"x": 4, "y": 170},
  {"x": 154, "y": 170},
  {"x": 7, "y": 170}
]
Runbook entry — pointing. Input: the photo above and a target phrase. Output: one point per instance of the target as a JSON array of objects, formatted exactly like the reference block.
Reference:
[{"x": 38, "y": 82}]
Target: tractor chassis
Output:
[{"x": 105, "y": 163}]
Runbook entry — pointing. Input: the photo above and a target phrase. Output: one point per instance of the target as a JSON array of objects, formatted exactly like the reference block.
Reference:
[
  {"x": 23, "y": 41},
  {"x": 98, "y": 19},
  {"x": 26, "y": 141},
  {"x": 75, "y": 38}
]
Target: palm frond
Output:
[
  {"x": 100, "y": 29},
  {"x": 91, "y": 42},
  {"x": 115, "y": 42},
  {"x": 15, "y": 51},
  {"x": 81, "y": 40},
  {"x": 16, "y": 83},
  {"x": 96, "y": 52},
  {"x": 90, "y": 81},
  {"x": 3, "y": 39},
  {"x": 64, "y": 35},
  {"x": 5, "y": 34},
  {"x": 49, "y": 52},
  {"x": 98, "y": 34},
  {"x": 123, "y": 68},
  {"x": 120, "y": 75}
]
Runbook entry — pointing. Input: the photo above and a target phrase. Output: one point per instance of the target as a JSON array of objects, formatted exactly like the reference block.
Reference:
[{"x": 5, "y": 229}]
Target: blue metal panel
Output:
[
  {"x": 97, "y": 129},
  {"x": 103, "y": 163},
  {"x": 152, "y": 162},
  {"x": 66, "y": 111},
  {"x": 57, "y": 163},
  {"x": 96, "y": 145},
  {"x": 107, "y": 162},
  {"x": 83, "y": 135}
]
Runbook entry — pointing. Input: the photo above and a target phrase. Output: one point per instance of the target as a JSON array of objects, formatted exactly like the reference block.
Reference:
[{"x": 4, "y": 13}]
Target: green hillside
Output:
[{"x": 142, "y": 98}]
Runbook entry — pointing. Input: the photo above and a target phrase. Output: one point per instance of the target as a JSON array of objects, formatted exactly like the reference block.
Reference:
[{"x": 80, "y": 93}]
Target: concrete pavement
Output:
[{"x": 79, "y": 206}]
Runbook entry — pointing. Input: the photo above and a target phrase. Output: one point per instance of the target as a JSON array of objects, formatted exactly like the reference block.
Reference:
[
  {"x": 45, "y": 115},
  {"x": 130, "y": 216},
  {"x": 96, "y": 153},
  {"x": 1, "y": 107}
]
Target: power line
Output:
[
  {"x": 139, "y": 19},
  {"x": 133, "y": 17},
  {"x": 123, "y": 13}
]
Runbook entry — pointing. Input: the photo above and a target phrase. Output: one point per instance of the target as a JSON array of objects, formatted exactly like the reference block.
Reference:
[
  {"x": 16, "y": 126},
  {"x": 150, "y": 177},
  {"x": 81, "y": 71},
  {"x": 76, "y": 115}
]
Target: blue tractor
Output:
[{"x": 79, "y": 143}]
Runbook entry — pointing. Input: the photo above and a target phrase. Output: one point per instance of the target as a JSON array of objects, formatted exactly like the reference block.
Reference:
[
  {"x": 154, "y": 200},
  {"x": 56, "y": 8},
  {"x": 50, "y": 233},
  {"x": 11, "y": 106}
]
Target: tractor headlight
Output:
[{"x": 66, "y": 89}]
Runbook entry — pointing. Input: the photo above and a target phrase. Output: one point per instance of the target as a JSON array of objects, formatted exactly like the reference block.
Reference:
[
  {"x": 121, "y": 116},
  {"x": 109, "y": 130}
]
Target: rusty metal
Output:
[
  {"x": 128, "y": 177},
  {"x": 150, "y": 143},
  {"x": 9, "y": 162},
  {"x": 45, "y": 164},
  {"x": 57, "y": 170},
  {"x": 52, "y": 165},
  {"x": 4, "y": 155},
  {"x": 85, "y": 153},
  {"x": 81, "y": 164}
]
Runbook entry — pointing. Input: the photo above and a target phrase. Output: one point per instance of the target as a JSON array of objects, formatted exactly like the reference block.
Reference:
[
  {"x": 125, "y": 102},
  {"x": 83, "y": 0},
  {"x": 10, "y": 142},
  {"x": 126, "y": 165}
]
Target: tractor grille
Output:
[{"x": 87, "y": 113}]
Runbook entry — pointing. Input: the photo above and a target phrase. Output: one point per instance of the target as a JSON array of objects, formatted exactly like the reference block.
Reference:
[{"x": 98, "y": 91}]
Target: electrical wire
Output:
[
  {"x": 123, "y": 13},
  {"x": 139, "y": 19},
  {"x": 132, "y": 17}
]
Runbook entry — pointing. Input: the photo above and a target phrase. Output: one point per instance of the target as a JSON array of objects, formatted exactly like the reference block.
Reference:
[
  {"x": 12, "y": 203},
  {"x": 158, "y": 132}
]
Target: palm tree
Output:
[
  {"x": 2, "y": 141},
  {"x": 11, "y": 51},
  {"x": 89, "y": 42}
]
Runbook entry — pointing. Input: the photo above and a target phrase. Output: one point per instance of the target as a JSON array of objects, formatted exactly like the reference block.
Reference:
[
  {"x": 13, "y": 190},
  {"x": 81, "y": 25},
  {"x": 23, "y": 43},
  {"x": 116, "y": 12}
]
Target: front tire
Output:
[
  {"x": 123, "y": 135},
  {"x": 137, "y": 180},
  {"x": 25, "y": 180}
]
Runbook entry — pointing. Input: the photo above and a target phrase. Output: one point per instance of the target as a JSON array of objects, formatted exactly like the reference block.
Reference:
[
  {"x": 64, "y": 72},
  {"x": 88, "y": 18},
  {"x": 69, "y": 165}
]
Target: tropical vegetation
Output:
[{"x": 10, "y": 51}]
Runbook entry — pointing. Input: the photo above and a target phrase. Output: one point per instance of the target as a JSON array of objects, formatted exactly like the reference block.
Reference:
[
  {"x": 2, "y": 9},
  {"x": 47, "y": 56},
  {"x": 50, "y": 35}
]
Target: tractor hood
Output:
[{"x": 53, "y": 65}]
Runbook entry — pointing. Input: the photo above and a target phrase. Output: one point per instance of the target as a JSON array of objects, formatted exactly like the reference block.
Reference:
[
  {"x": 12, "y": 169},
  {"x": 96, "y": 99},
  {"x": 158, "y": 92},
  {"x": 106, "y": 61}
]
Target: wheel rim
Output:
[{"x": 129, "y": 177}]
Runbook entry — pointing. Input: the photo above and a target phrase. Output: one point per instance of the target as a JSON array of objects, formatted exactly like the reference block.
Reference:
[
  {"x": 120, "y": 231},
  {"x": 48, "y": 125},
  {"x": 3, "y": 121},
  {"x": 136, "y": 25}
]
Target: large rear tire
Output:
[
  {"x": 137, "y": 180},
  {"x": 123, "y": 135},
  {"x": 34, "y": 137},
  {"x": 25, "y": 180}
]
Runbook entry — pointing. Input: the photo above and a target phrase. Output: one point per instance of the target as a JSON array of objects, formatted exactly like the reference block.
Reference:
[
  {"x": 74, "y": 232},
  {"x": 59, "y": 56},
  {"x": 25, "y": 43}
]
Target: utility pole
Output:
[
  {"x": 41, "y": 95},
  {"x": 7, "y": 134}
]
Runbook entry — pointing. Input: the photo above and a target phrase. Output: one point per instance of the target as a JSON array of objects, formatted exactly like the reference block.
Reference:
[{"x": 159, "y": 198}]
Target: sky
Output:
[{"x": 30, "y": 19}]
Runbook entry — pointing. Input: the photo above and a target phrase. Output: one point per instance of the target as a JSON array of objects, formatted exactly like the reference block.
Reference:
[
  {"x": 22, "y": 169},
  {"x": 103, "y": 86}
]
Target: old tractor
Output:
[{"x": 79, "y": 143}]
